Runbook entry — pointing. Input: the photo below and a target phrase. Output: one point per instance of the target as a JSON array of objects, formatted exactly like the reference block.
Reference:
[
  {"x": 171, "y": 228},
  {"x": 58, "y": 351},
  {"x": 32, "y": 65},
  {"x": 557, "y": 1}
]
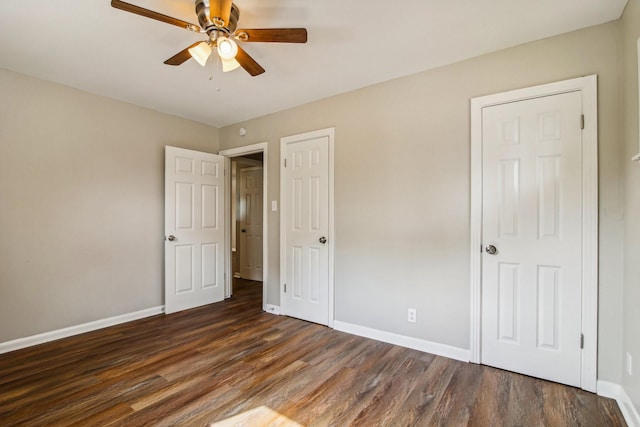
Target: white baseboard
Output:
[
  {"x": 273, "y": 309},
  {"x": 617, "y": 392},
  {"x": 21, "y": 343},
  {"x": 404, "y": 341}
]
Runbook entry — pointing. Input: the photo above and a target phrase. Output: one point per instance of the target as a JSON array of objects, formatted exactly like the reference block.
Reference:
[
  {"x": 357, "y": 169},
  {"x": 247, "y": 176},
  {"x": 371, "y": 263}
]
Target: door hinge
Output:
[
  {"x": 285, "y": 162},
  {"x": 285, "y": 288},
  {"x": 582, "y": 121},
  {"x": 581, "y": 341}
]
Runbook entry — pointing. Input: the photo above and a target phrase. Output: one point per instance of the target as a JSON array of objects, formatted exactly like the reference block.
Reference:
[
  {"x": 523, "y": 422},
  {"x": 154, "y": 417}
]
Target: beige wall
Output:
[
  {"x": 630, "y": 34},
  {"x": 81, "y": 204},
  {"x": 402, "y": 157}
]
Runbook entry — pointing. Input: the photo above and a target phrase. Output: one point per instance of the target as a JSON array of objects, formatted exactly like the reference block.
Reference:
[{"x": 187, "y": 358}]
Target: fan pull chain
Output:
[{"x": 215, "y": 65}]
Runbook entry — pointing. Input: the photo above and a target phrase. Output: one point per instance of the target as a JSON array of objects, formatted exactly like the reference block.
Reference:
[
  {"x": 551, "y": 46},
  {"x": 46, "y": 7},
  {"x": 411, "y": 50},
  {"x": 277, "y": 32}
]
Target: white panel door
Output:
[
  {"x": 306, "y": 211},
  {"x": 250, "y": 214},
  {"x": 194, "y": 229},
  {"x": 532, "y": 213}
]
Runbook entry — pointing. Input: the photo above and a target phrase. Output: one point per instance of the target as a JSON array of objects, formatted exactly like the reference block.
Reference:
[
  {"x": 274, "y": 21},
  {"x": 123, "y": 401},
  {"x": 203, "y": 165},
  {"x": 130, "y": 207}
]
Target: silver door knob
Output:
[
  {"x": 322, "y": 240},
  {"x": 491, "y": 250},
  {"x": 171, "y": 238}
]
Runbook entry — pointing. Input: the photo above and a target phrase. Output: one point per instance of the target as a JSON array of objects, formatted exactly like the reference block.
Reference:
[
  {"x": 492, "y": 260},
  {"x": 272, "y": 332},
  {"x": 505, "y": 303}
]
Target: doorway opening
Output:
[{"x": 246, "y": 218}]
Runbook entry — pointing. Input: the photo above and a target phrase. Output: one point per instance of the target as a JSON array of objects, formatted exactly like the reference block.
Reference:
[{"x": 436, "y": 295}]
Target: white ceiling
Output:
[{"x": 89, "y": 45}]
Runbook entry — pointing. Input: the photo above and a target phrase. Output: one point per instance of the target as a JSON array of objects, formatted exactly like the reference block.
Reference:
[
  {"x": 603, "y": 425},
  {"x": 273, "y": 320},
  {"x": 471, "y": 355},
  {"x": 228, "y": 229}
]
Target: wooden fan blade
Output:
[
  {"x": 154, "y": 15},
  {"x": 274, "y": 35},
  {"x": 248, "y": 63},
  {"x": 181, "y": 56},
  {"x": 220, "y": 10}
]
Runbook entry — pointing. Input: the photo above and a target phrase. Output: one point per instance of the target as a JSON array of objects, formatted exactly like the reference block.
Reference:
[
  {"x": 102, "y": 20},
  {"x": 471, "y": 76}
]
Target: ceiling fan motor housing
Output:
[{"x": 202, "y": 10}]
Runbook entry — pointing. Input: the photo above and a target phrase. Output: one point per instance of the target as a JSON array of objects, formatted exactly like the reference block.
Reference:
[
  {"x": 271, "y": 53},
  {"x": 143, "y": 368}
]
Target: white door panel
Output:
[
  {"x": 306, "y": 210},
  {"x": 194, "y": 229},
  {"x": 250, "y": 213},
  {"x": 532, "y": 214}
]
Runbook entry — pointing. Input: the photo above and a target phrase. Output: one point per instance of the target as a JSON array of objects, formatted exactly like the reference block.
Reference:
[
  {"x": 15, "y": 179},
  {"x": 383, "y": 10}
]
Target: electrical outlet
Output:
[
  {"x": 629, "y": 364},
  {"x": 411, "y": 315}
]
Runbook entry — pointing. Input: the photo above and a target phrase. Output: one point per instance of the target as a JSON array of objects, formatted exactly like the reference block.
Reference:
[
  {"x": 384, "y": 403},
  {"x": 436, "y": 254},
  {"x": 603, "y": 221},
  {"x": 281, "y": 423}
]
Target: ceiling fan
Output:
[{"x": 218, "y": 20}]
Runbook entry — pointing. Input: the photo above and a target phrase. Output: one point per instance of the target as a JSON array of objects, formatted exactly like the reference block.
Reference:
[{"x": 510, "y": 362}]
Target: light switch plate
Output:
[{"x": 274, "y": 206}]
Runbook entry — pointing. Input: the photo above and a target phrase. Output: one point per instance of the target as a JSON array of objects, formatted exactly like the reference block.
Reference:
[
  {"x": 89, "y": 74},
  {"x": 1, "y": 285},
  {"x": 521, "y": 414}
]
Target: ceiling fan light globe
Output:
[
  {"x": 201, "y": 53},
  {"x": 229, "y": 65},
  {"x": 227, "y": 48}
]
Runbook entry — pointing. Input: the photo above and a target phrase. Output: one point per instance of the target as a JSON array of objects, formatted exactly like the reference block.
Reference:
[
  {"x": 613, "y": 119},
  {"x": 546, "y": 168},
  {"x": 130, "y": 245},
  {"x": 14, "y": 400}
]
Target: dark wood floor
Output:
[{"x": 232, "y": 364}]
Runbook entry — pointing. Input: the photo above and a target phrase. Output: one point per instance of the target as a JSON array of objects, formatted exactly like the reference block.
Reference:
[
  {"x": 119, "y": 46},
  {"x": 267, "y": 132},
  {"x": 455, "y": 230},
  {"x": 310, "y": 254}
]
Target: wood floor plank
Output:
[
  {"x": 197, "y": 410},
  {"x": 46, "y": 393},
  {"x": 457, "y": 400},
  {"x": 324, "y": 399},
  {"x": 526, "y": 402},
  {"x": 490, "y": 406},
  {"x": 422, "y": 402},
  {"x": 269, "y": 394},
  {"x": 233, "y": 364},
  {"x": 390, "y": 397}
]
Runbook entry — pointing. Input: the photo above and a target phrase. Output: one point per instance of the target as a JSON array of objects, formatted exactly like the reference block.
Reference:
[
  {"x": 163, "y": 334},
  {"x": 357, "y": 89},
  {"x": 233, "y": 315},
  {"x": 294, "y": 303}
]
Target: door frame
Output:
[
  {"x": 330, "y": 134},
  {"x": 261, "y": 147},
  {"x": 588, "y": 87}
]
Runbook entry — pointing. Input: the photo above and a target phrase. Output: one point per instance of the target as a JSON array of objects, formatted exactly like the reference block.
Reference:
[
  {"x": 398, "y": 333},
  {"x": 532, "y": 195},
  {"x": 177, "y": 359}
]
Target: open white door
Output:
[{"x": 194, "y": 229}]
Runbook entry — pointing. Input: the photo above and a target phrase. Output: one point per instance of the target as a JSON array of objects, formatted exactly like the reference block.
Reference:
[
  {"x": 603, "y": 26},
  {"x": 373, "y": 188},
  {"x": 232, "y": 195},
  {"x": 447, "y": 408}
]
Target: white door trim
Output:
[
  {"x": 330, "y": 134},
  {"x": 588, "y": 86},
  {"x": 261, "y": 147}
]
